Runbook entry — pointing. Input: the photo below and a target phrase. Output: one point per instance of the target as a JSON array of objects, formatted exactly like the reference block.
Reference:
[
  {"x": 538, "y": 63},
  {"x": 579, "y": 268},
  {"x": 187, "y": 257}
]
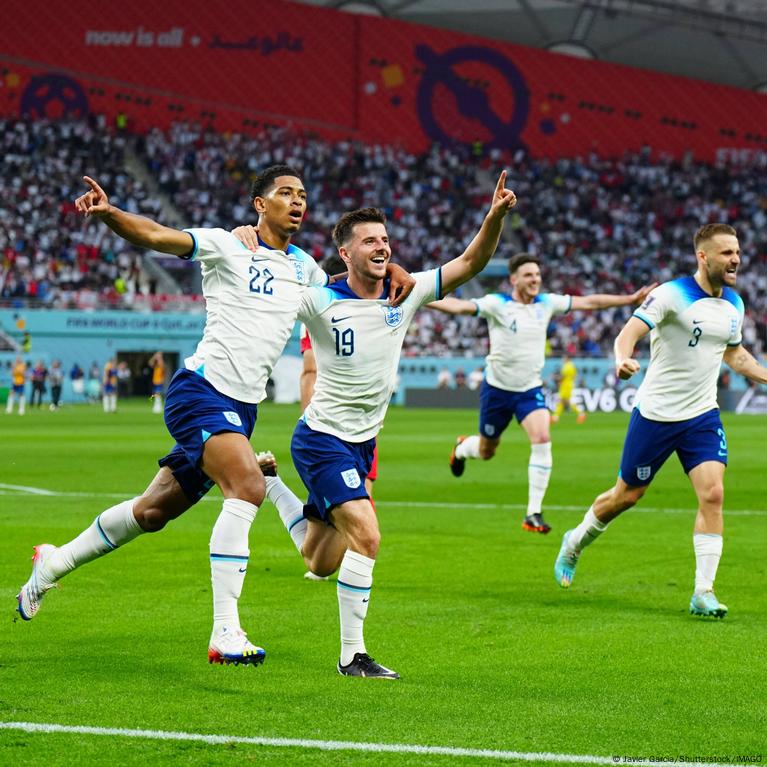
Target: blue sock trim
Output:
[
  {"x": 538, "y": 466},
  {"x": 295, "y": 522},
  {"x": 103, "y": 534},
  {"x": 360, "y": 589},
  {"x": 228, "y": 558}
]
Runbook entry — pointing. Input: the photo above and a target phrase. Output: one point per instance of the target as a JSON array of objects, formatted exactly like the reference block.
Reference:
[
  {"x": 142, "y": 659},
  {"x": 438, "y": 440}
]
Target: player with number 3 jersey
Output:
[{"x": 694, "y": 323}]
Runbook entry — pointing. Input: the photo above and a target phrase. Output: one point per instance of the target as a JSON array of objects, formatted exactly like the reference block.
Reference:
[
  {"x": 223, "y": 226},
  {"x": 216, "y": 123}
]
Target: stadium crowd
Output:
[
  {"x": 48, "y": 255},
  {"x": 599, "y": 225}
]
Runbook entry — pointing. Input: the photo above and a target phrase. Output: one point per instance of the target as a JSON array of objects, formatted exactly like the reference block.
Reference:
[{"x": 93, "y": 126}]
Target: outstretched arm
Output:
[
  {"x": 137, "y": 230},
  {"x": 452, "y": 305},
  {"x": 474, "y": 259},
  {"x": 606, "y": 300},
  {"x": 625, "y": 364},
  {"x": 741, "y": 361}
]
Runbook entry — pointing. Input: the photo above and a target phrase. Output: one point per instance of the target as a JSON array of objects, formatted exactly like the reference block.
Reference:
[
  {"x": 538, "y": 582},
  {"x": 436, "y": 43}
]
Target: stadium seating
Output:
[{"x": 598, "y": 225}]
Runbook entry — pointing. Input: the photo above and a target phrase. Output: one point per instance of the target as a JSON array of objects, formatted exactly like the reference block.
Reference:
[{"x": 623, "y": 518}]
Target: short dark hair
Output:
[
  {"x": 519, "y": 259},
  {"x": 343, "y": 229},
  {"x": 264, "y": 181},
  {"x": 333, "y": 264},
  {"x": 708, "y": 231}
]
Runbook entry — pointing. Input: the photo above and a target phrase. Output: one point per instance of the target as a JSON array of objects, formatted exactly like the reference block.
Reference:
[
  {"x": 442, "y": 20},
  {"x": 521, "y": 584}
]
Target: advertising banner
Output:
[{"x": 240, "y": 65}]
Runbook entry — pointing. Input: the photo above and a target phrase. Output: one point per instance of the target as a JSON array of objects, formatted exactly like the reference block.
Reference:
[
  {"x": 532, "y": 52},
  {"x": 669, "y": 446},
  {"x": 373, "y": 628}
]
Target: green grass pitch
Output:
[{"x": 493, "y": 654}]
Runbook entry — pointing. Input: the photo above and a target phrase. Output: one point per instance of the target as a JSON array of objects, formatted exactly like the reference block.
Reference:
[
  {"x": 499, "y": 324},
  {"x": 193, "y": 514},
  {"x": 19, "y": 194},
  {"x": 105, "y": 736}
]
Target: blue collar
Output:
[
  {"x": 291, "y": 250},
  {"x": 342, "y": 289}
]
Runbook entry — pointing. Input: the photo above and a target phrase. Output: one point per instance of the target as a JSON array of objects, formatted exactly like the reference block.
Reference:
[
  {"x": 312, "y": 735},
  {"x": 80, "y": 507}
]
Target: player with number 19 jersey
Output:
[
  {"x": 357, "y": 343},
  {"x": 518, "y": 337},
  {"x": 252, "y": 300}
]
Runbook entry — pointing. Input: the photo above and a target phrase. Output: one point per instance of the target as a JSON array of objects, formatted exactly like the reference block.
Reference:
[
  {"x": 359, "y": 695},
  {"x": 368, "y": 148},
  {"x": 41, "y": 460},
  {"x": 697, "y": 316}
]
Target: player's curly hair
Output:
[
  {"x": 708, "y": 231},
  {"x": 264, "y": 181},
  {"x": 342, "y": 231},
  {"x": 520, "y": 259}
]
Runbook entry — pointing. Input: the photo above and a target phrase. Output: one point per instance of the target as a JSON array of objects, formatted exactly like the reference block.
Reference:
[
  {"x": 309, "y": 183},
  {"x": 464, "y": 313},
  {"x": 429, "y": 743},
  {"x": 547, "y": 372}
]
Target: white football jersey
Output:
[
  {"x": 518, "y": 337},
  {"x": 357, "y": 345},
  {"x": 691, "y": 330},
  {"x": 252, "y": 300}
]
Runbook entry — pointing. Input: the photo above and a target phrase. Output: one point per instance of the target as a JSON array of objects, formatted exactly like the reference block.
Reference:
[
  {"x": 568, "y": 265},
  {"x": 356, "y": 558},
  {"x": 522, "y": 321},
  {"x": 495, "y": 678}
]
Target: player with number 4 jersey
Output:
[
  {"x": 517, "y": 324},
  {"x": 694, "y": 323}
]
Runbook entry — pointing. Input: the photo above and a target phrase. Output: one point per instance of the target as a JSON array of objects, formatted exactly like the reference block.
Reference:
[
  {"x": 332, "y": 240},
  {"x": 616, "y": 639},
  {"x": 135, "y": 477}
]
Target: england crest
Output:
[
  {"x": 233, "y": 417},
  {"x": 393, "y": 315},
  {"x": 351, "y": 478},
  {"x": 643, "y": 472}
]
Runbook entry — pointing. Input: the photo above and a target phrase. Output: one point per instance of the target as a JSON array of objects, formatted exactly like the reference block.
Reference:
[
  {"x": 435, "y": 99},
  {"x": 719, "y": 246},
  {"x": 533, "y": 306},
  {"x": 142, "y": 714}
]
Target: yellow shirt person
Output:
[{"x": 567, "y": 375}]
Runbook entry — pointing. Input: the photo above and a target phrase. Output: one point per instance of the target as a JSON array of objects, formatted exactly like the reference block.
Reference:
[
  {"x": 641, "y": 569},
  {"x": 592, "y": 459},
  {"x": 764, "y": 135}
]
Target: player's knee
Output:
[
  {"x": 629, "y": 497},
  {"x": 251, "y": 489},
  {"x": 712, "y": 496},
  {"x": 151, "y": 516},
  {"x": 367, "y": 540},
  {"x": 486, "y": 452}
]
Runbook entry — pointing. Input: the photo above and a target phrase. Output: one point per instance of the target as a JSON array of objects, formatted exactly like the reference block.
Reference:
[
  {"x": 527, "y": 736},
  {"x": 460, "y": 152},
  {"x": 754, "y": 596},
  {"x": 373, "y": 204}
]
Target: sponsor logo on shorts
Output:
[
  {"x": 393, "y": 315},
  {"x": 351, "y": 478},
  {"x": 643, "y": 472},
  {"x": 233, "y": 417}
]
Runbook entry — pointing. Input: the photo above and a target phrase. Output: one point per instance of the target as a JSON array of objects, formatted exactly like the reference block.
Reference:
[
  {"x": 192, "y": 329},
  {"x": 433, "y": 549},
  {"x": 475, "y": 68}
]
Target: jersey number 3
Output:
[
  {"x": 264, "y": 286},
  {"x": 696, "y": 334}
]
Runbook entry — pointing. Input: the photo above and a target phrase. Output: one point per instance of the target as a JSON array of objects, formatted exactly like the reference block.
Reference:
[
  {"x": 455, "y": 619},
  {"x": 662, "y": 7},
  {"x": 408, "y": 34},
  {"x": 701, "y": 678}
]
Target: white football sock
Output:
[
  {"x": 469, "y": 448},
  {"x": 22, "y": 404},
  {"x": 586, "y": 533},
  {"x": 229, "y": 554},
  {"x": 708, "y": 552},
  {"x": 355, "y": 579},
  {"x": 112, "y": 528},
  {"x": 290, "y": 509},
  {"x": 538, "y": 473}
]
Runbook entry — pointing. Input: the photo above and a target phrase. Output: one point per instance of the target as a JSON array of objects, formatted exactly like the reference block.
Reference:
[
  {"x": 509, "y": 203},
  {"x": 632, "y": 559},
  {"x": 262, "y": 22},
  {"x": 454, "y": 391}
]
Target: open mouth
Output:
[
  {"x": 378, "y": 259},
  {"x": 296, "y": 216}
]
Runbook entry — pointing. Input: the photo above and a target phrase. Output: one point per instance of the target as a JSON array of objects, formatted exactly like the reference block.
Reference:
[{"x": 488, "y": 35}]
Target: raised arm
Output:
[
  {"x": 606, "y": 300},
  {"x": 137, "y": 230},
  {"x": 741, "y": 361},
  {"x": 452, "y": 305},
  {"x": 625, "y": 364},
  {"x": 474, "y": 259}
]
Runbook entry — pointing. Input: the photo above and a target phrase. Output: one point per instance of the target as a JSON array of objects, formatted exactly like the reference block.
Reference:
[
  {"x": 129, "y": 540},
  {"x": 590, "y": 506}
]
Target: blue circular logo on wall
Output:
[
  {"x": 54, "y": 95},
  {"x": 472, "y": 100}
]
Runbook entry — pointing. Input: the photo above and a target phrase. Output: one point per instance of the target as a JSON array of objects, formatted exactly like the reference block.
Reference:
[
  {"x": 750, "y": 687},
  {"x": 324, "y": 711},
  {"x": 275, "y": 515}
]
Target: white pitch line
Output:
[
  {"x": 21, "y": 490},
  {"x": 326, "y": 745},
  {"x": 28, "y": 490}
]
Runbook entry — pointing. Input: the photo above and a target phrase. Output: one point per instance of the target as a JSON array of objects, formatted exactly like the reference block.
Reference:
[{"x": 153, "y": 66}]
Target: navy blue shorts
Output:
[
  {"x": 194, "y": 411},
  {"x": 649, "y": 443},
  {"x": 332, "y": 470},
  {"x": 18, "y": 388},
  {"x": 497, "y": 407}
]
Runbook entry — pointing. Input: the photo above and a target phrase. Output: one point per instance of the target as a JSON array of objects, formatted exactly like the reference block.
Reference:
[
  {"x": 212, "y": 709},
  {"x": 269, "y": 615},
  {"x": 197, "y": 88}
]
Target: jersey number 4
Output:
[
  {"x": 344, "y": 342},
  {"x": 260, "y": 281}
]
